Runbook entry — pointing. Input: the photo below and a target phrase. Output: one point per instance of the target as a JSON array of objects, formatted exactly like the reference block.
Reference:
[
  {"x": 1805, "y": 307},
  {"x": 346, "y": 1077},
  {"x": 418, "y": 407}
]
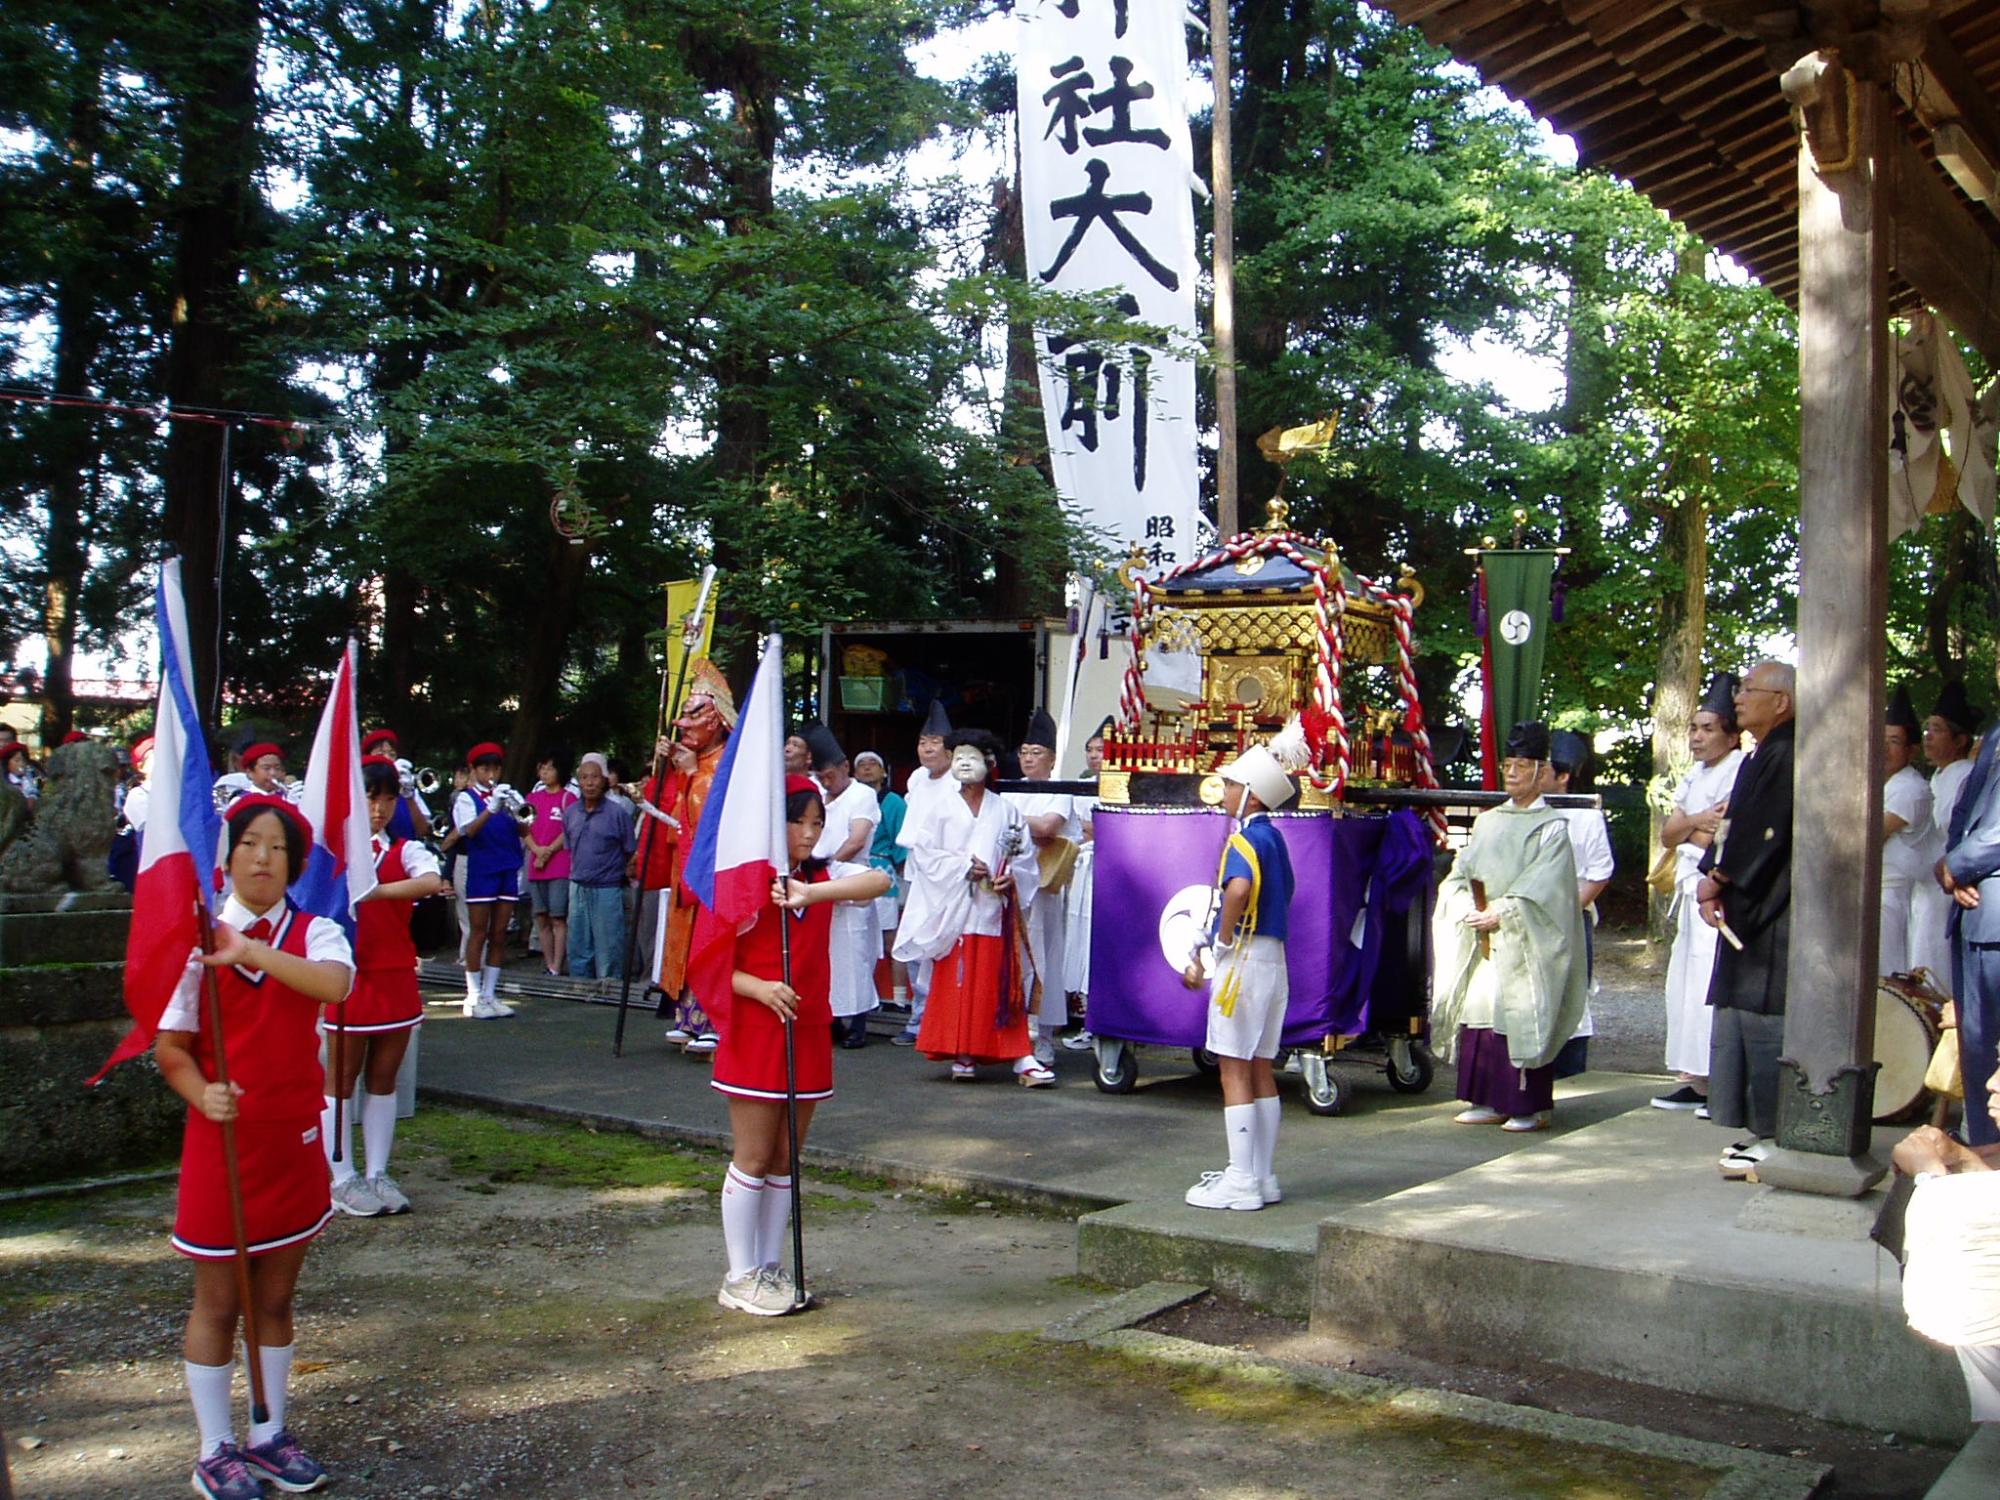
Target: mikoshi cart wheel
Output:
[
  {"x": 1207, "y": 1063},
  {"x": 1117, "y": 1070},
  {"x": 1324, "y": 1092},
  {"x": 1411, "y": 1066}
]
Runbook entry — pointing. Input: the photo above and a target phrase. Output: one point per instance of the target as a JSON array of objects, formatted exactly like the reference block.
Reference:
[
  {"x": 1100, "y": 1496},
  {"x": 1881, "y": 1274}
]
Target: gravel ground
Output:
[
  {"x": 1629, "y": 1008},
  {"x": 544, "y": 1324}
]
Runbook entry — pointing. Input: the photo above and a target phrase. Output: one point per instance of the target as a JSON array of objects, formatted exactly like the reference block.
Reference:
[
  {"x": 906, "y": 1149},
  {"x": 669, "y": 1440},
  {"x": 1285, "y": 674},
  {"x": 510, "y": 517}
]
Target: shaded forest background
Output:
[{"x": 554, "y": 301}]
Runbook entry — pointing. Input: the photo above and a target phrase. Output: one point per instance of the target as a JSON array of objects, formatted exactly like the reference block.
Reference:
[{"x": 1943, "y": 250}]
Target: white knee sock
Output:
[
  {"x": 488, "y": 978},
  {"x": 774, "y": 1221},
  {"x": 1240, "y": 1121},
  {"x": 277, "y": 1366},
  {"x": 742, "y": 1213},
  {"x": 378, "y": 1130},
  {"x": 208, "y": 1389},
  {"x": 1267, "y": 1134},
  {"x": 344, "y": 1167},
  {"x": 472, "y": 986}
]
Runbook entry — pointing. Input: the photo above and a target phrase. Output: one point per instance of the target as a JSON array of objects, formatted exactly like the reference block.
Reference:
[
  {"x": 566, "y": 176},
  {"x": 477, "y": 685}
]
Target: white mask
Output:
[{"x": 968, "y": 765}]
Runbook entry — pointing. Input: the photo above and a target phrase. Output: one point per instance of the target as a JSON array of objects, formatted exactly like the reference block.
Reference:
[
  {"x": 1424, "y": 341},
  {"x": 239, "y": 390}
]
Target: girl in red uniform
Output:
[
  {"x": 275, "y": 966},
  {"x": 750, "y": 1060},
  {"x": 370, "y": 1032}
]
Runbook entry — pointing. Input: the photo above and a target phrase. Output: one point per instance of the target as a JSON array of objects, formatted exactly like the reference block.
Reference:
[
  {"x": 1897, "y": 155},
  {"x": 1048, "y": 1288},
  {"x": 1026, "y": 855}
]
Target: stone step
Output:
[{"x": 87, "y": 934}]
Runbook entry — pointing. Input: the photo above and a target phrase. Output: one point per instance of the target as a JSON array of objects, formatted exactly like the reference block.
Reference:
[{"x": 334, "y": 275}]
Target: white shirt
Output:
[
  {"x": 1701, "y": 789},
  {"x": 1946, "y": 786},
  {"x": 922, "y": 790},
  {"x": 1034, "y": 805},
  {"x": 857, "y": 803},
  {"x": 1905, "y": 856},
  {"x": 418, "y": 861},
  {"x": 464, "y": 809},
  {"x": 138, "y": 802},
  {"x": 325, "y": 944}
]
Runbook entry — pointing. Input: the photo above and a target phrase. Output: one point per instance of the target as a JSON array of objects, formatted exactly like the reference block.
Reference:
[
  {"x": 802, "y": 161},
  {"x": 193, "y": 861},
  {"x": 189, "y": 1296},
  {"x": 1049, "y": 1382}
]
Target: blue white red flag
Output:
[
  {"x": 340, "y": 864},
  {"x": 739, "y": 844},
  {"x": 177, "y": 850}
]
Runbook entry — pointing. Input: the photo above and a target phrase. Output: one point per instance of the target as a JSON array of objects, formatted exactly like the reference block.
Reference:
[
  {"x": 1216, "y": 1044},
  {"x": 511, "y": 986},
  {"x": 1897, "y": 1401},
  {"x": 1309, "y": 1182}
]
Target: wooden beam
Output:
[{"x": 1942, "y": 251}]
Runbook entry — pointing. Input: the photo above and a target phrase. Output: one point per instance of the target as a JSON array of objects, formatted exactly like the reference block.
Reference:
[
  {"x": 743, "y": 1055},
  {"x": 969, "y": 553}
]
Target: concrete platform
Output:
[{"x": 1618, "y": 1249}]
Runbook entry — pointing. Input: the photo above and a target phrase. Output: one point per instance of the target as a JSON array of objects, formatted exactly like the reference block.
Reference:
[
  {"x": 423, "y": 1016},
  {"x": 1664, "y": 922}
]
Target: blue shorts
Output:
[{"x": 504, "y": 886}]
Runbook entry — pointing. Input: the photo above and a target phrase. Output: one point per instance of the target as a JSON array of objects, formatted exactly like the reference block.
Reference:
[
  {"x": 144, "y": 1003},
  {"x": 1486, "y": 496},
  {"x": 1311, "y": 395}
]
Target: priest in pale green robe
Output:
[{"x": 1511, "y": 980}]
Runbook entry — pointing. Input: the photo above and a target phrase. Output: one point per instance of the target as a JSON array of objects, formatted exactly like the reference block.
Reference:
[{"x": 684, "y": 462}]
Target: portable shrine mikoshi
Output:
[{"x": 1225, "y": 650}]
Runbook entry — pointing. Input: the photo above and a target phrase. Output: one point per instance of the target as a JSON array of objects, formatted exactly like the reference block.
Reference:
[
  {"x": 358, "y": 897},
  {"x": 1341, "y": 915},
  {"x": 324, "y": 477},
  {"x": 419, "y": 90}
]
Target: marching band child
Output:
[
  {"x": 368, "y": 1035},
  {"x": 275, "y": 966},
  {"x": 490, "y": 880},
  {"x": 750, "y": 1061}
]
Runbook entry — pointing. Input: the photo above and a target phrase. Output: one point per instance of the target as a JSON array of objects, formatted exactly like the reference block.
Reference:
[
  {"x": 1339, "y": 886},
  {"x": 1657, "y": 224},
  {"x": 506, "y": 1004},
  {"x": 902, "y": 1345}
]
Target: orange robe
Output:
[{"x": 683, "y": 796}]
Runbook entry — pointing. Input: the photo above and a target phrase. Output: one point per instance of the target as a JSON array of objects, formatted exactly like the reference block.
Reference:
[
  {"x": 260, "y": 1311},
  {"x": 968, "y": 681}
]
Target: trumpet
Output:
[
  {"x": 510, "y": 801},
  {"x": 427, "y": 781}
]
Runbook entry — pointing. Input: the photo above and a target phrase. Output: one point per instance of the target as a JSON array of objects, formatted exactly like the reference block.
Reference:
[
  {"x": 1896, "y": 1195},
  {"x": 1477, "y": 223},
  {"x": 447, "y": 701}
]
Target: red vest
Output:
[
  {"x": 269, "y": 1034},
  {"x": 382, "y": 928}
]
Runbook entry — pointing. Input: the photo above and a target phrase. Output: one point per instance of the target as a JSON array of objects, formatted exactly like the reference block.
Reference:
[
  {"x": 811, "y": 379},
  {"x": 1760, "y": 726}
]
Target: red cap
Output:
[
  {"x": 252, "y": 801},
  {"x": 75, "y": 737},
  {"x": 484, "y": 750},
  {"x": 142, "y": 746},
  {"x": 377, "y": 760},
  {"x": 254, "y": 753},
  {"x": 375, "y": 737},
  {"x": 803, "y": 784}
]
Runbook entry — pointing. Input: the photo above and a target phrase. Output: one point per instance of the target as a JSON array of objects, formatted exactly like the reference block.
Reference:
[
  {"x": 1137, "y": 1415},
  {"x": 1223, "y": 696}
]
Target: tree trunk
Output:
[
  {"x": 549, "y": 625},
  {"x": 1683, "y": 620},
  {"x": 72, "y": 433},
  {"x": 1015, "y": 591},
  {"x": 211, "y": 214},
  {"x": 1944, "y": 639}
]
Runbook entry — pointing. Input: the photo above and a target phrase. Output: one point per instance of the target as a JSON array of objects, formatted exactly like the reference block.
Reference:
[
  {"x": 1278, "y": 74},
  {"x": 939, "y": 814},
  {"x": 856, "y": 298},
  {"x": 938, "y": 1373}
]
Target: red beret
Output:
[
  {"x": 254, "y": 753},
  {"x": 484, "y": 750},
  {"x": 142, "y": 746},
  {"x": 803, "y": 784},
  {"x": 377, "y": 760},
  {"x": 264, "y": 801},
  {"x": 376, "y": 736},
  {"x": 75, "y": 737}
]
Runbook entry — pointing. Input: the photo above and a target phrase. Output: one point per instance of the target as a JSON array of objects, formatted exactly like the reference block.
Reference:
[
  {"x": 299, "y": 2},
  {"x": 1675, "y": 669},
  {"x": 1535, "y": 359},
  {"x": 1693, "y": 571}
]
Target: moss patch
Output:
[{"x": 502, "y": 1149}]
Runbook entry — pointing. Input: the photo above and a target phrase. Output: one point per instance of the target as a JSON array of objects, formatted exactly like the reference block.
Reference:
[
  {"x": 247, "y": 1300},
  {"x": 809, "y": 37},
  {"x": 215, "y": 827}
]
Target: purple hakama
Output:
[{"x": 1486, "y": 1075}]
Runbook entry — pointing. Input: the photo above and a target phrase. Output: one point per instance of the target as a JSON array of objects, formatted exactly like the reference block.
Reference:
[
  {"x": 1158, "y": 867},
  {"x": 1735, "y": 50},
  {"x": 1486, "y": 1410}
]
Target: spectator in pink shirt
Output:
[{"x": 548, "y": 861}]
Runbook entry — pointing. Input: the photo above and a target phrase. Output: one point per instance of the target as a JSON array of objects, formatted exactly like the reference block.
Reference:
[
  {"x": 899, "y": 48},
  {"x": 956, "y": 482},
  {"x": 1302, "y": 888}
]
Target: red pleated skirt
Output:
[{"x": 282, "y": 1168}]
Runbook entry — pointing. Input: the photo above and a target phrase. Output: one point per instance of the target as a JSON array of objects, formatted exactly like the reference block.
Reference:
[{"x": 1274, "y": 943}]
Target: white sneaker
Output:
[
  {"x": 1225, "y": 1190},
  {"x": 388, "y": 1194},
  {"x": 490, "y": 1010},
  {"x": 1267, "y": 1189},
  {"x": 1079, "y": 1041},
  {"x": 352, "y": 1196},
  {"x": 755, "y": 1293}
]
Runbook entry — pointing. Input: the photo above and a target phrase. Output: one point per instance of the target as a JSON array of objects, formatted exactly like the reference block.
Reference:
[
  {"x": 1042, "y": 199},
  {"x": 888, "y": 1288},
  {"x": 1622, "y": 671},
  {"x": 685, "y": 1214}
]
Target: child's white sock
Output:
[
  {"x": 343, "y": 1168},
  {"x": 742, "y": 1213},
  {"x": 488, "y": 978},
  {"x": 473, "y": 989},
  {"x": 277, "y": 1367},
  {"x": 1240, "y": 1122},
  {"x": 1267, "y": 1134},
  {"x": 774, "y": 1221},
  {"x": 378, "y": 1130},
  {"x": 208, "y": 1389}
]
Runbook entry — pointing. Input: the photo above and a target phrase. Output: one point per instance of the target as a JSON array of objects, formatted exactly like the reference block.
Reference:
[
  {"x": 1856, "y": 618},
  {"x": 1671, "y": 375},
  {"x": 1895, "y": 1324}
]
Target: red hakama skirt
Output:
[{"x": 960, "y": 1016}]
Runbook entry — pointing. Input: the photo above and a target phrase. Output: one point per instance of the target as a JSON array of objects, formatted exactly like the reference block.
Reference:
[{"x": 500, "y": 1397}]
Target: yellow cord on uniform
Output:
[{"x": 1228, "y": 986}]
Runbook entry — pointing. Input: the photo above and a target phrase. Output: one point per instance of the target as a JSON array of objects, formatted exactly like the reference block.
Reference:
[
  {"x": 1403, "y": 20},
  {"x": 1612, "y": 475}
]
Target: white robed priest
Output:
[
  {"x": 855, "y": 941},
  {"x": 1054, "y": 832}
]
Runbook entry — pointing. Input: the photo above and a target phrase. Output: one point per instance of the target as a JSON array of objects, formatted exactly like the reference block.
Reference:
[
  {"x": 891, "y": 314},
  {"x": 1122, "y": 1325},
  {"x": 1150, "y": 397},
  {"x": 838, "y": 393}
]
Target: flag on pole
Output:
[
  {"x": 739, "y": 844},
  {"x": 177, "y": 850},
  {"x": 340, "y": 864}
]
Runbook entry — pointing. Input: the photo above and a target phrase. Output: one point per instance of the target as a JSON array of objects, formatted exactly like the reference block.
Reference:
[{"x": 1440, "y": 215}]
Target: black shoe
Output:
[{"x": 1683, "y": 1097}]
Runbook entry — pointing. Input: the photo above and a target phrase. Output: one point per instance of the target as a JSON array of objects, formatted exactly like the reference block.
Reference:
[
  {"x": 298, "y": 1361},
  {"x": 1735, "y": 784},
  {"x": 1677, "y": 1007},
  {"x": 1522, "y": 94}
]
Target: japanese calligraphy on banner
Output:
[{"x": 1107, "y": 179}]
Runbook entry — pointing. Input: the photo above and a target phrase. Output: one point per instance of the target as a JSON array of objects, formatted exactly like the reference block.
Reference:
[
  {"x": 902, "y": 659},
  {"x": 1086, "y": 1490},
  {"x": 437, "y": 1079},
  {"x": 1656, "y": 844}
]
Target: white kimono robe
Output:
[
  {"x": 944, "y": 905},
  {"x": 1048, "y": 929},
  {"x": 1906, "y": 859},
  {"x": 1692, "y": 960},
  {"x": 854, "y": 941},
  {"x": 1930, "y": 907}
]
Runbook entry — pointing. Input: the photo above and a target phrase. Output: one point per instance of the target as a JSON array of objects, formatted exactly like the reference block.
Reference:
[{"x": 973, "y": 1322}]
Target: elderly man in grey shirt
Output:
[{"x": 598, "y": 834}]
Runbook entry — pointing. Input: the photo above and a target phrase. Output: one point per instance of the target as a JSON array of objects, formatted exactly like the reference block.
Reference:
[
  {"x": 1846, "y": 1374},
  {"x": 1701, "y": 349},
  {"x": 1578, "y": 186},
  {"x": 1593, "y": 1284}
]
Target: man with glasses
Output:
[{"x": 1746, "y": 894}]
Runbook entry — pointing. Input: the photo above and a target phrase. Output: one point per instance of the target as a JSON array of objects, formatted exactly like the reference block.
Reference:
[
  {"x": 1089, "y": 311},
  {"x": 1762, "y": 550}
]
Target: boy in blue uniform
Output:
[
  {"x": 1248, "y": 988},
  {"x": 491, "y": 840}
]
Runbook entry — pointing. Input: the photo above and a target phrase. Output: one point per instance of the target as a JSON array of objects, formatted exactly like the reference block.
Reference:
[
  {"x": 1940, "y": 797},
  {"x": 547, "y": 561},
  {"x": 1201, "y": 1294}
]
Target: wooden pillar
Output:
[{"x": 1826, "y": 1080}]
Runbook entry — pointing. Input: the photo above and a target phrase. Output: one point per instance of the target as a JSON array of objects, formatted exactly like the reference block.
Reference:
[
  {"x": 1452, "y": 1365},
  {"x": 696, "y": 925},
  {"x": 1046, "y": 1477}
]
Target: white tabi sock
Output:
[
  {"x": 1267, "y": 1134},
  {"x": 208, "y": 1389},
  {"x": 1239, "y": 1121},
  {"x": 378, "y": 1130},
  {"x": 774, "y": 1221},
  {"x": 277, "y": 1367},
  {"x": 742, "y": 1214},
  {"x": 344, "y": 1168},
  {"x": 472, "y": 986},
  {"x": 488, "y": 978}
]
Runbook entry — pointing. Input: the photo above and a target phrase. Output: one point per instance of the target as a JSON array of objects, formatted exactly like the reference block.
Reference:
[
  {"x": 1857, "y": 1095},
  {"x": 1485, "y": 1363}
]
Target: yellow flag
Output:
[{"x": 681, "y": 597}]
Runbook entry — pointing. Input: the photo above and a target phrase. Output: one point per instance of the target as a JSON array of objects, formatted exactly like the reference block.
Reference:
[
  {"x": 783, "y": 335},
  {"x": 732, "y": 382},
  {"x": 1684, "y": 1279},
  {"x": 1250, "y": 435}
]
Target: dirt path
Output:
[{"x": 544, "y": 1325}]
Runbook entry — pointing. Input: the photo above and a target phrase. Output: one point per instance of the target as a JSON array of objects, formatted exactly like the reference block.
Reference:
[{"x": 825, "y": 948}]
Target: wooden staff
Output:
[{"x": 212, "y": 1000}]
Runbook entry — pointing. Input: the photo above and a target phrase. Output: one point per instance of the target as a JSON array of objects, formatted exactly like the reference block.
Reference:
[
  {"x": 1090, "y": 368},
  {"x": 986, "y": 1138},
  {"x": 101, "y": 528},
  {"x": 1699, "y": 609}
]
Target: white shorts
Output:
[{"x": 1258, "y": 1022}]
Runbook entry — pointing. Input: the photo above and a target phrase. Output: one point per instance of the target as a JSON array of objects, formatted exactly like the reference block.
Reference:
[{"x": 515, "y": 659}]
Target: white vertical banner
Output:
[{"x": 1107, "y": 181}]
